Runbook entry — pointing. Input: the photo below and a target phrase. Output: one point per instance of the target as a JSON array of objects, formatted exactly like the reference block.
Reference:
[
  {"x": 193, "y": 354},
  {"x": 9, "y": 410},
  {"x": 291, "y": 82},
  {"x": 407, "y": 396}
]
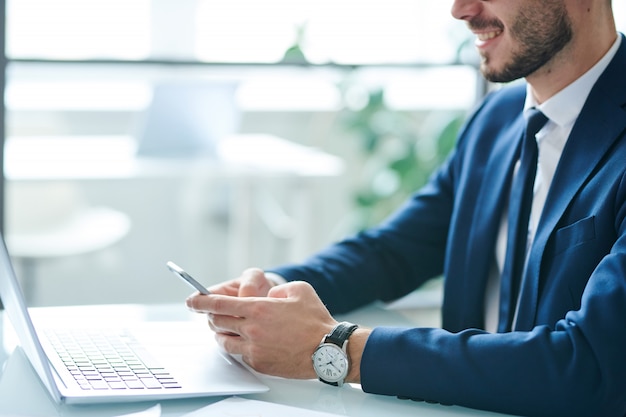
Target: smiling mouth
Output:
[{"x": 485, "y": 36}]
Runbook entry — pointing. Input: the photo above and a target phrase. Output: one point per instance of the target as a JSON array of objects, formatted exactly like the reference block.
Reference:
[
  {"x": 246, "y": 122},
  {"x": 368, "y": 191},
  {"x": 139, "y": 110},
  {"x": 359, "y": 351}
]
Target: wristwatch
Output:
[{"x": 330, "y": 359}]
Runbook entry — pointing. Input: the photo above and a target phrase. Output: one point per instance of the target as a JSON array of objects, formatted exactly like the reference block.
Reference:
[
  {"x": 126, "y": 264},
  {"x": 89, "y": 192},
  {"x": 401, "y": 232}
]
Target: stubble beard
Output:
[{"x": 540, "y": 34}]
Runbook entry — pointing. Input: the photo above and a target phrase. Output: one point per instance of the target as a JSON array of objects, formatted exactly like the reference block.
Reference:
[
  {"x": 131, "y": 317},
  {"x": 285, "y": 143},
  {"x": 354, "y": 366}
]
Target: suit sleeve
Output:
[{"x": 576, "y": 368}]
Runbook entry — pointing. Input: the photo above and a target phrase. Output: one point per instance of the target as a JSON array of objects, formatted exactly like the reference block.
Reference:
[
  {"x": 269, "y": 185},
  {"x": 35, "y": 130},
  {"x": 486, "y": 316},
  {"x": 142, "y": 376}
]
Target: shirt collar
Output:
[{"x": 563, "y": 108}]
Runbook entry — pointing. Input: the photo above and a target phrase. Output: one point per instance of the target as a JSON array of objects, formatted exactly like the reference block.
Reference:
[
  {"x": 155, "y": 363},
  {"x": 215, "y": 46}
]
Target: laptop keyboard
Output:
[{"x": 101, "y": 361}]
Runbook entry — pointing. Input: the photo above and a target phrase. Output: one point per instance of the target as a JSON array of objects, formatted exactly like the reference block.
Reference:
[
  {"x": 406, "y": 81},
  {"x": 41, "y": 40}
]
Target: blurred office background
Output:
[{"x": 218, "y": 134}]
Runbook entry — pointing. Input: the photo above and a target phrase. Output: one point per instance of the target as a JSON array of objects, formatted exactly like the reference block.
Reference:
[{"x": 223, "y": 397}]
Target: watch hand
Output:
[{"x": 333, "y": 365}]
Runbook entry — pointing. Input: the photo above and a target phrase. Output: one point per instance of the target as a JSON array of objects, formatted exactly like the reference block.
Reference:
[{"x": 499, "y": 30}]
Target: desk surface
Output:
[{"x": 22, "y": 394}]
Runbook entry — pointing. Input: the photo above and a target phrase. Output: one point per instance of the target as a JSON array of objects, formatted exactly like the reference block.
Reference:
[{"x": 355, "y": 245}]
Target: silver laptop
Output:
[{"x": 80, "y": 363}]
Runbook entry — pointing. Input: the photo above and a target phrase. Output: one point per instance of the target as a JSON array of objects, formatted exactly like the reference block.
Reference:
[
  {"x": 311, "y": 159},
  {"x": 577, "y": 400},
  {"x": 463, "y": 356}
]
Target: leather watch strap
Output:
[{"x": 341, "y": 333}]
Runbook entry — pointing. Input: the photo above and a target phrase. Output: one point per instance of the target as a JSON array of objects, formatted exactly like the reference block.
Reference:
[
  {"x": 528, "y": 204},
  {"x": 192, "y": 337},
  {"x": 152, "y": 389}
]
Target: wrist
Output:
[{"x": 356, "y": 345}]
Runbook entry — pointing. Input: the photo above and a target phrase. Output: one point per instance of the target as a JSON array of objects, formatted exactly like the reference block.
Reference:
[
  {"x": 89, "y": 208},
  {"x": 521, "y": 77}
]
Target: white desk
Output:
[{"x": 21, "y": 393}]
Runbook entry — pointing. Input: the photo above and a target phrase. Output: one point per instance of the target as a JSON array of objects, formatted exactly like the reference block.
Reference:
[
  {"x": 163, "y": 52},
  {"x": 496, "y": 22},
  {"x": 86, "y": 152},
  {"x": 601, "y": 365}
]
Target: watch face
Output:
[{"x": 330, "y": 362}]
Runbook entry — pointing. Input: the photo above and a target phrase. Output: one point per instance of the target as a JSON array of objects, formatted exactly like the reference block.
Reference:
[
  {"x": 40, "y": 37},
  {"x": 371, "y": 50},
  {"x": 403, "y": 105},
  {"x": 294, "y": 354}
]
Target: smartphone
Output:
[{"x": 180, "y": 273}]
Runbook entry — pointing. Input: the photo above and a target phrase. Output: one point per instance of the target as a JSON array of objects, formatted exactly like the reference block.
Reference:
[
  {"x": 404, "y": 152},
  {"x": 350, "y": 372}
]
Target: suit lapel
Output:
[
  {"x": 494, "y": 191},
  {"x": 600, "y": 123}
]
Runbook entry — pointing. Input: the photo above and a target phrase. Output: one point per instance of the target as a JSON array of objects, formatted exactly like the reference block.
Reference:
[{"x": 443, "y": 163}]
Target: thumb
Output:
[
  {"x": 253, "y": 283},
  {"x": 294, "y": 289}
]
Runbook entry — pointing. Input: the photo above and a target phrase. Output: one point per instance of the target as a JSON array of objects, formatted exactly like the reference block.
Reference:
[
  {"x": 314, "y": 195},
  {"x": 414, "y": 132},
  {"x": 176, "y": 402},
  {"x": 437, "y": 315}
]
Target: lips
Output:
[{"x": 485, "y": 29}]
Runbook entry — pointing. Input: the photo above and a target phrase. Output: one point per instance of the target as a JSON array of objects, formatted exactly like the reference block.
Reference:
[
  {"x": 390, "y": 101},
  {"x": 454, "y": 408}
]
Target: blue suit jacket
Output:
[{"x": 567, "y": 355}]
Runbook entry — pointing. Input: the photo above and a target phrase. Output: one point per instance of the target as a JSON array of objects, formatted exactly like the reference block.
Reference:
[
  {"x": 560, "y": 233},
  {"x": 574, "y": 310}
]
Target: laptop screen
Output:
[{"x": 17, "y": 312}]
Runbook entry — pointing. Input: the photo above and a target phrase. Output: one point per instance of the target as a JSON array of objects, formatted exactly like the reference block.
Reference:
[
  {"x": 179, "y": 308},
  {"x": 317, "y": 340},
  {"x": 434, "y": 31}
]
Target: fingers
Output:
[
  {"x": 230, "y": 343},
  {"x": 249, "y": 307},
  {"x": 223, "y": 310},
  {"x": 226, "y": 288},
  {"x": 226, "y": 325},
  {"x": 251, "y": 283},
  {"x": 219, "y": 304}
]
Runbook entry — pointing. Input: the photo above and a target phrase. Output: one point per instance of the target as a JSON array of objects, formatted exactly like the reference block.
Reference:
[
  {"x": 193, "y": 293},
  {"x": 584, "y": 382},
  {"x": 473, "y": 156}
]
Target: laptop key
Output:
[
  {"x": 117, "y": 385},
  {"x": 151, "y": 383},
  {"x": 136, "y": 384},
  {"x": 99, "y": 384}
]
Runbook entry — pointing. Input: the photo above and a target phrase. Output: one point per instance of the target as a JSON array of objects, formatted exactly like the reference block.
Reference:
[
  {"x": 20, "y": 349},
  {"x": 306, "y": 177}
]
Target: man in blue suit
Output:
[{"x": 556, "y": 347}]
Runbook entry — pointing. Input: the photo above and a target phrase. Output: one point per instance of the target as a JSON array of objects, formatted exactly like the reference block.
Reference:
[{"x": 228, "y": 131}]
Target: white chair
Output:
[{"x": 48, "y": 220}]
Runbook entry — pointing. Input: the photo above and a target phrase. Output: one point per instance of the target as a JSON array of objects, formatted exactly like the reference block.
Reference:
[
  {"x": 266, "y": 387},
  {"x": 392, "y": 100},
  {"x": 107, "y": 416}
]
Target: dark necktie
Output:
[{"x": 520, "y": 204}]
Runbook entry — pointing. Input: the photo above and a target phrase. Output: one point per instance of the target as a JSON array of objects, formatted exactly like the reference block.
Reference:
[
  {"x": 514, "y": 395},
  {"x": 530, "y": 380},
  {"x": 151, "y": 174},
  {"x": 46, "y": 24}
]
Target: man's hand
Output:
[
  {"x": 275, "y": 334},
  {"x": 275, "y": 328}
]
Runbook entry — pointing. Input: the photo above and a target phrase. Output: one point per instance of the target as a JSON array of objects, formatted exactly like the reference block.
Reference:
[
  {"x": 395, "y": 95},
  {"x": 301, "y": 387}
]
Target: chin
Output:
[{"x": 496, "y": 74}]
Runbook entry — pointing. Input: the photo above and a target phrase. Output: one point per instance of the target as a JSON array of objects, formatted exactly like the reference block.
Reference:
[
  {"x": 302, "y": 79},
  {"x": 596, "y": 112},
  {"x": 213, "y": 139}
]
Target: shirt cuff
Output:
[{"x": 275, "y": 278}]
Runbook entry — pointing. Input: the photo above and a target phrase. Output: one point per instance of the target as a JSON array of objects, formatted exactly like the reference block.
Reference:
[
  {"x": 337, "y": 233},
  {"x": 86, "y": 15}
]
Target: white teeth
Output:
[{"x": 488, "y": 35}]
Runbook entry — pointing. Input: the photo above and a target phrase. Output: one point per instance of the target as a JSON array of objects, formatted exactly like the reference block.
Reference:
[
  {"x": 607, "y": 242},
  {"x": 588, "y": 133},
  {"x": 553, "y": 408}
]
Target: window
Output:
[
  {"x": 226, "y": 31},
  {"x": 342, "y": 31},
  {"x": 75, "y": 29}
]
